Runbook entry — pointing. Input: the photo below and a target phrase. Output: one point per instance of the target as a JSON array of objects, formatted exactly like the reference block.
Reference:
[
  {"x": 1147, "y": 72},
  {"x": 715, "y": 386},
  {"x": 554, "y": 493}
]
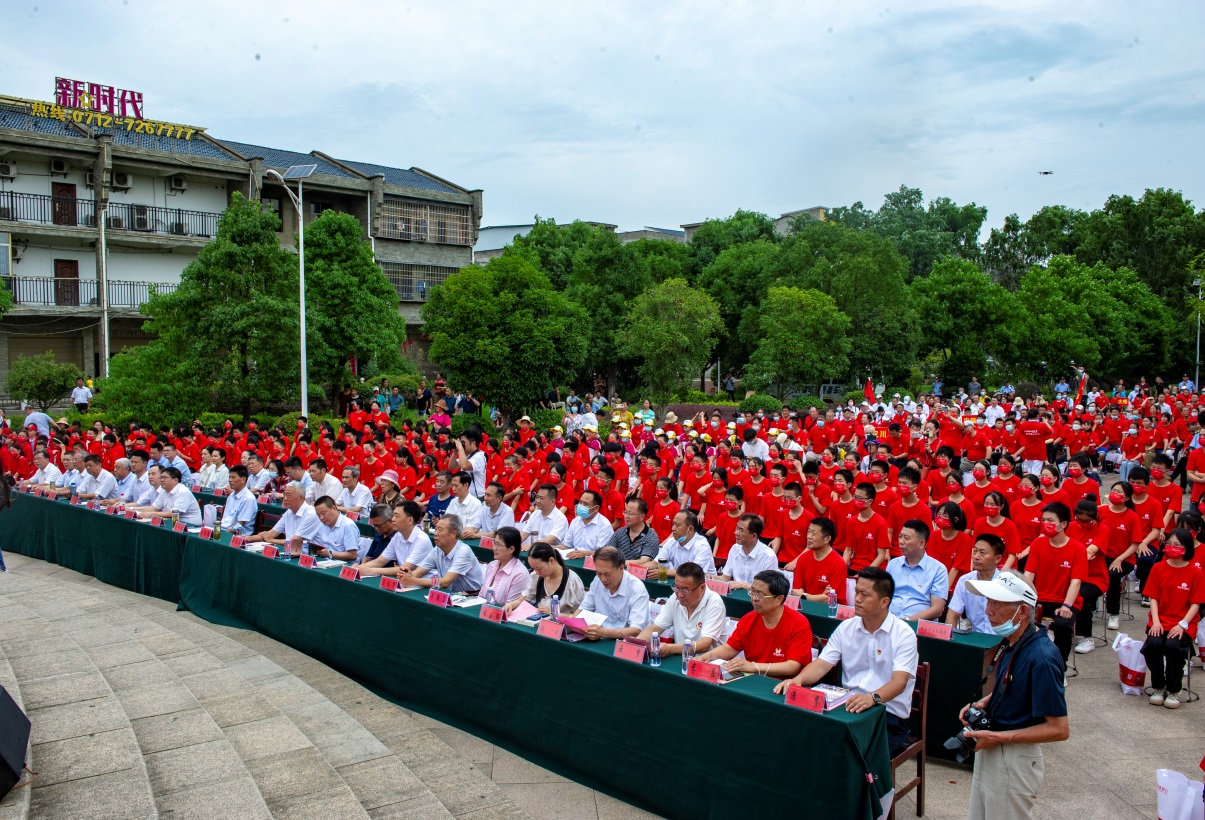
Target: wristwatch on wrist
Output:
[
  {"x": 1183, "y": 625},
  {"x": 877, "y": 698}
]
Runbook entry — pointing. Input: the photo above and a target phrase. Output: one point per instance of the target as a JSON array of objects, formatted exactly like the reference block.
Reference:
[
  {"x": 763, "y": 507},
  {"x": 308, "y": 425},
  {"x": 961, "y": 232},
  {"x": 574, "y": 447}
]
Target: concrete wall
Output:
[{"x": 151, "y": 265}]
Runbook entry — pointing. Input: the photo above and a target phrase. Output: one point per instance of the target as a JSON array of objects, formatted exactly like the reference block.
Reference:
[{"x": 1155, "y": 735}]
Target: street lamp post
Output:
[
  {"x": 299, "y": 173},
  {"x": 1197, "y": 379}
]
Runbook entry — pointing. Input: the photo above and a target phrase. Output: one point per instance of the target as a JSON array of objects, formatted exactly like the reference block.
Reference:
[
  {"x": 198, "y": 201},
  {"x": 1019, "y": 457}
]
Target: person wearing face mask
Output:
[
  {"x": 1006, "y": 477},
  {"x": 1177, "y": 591},
  {"x": 1150, "y": 526},
  {"x": 1087, "y": 529},
  {"x": 685, "y": 543},
  {"x": 663, "y": 508},
  {"x": 864, "y": 534},
  {"x": 997, "y": 521},
  {"x": 754, "y": 446},
  {"x": 950, "y": 543},
  {"x": 1165, "y": 491},
  {"x": 907, "y": 506},
  {"x": 1132, "y": 450},
  {"x": 1026, "y": 707},
  {"x": 937, "y": 477},
  {"x": 1058, "y": 566},
  {"x": 1077, "y": 483},
  {"x": 981, "y": 484}
]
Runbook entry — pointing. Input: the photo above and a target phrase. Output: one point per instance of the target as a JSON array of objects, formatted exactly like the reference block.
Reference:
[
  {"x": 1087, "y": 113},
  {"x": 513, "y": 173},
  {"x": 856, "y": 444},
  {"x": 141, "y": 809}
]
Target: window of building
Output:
[
  {"x": 412, "y": 220},
  {"x": 414, "y": 282},
  {"x": 276, "y": 206}
]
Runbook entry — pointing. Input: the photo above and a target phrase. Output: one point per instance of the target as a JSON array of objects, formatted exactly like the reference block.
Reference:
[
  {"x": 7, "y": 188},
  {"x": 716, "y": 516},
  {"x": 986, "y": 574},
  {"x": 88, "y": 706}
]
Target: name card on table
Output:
[
  {"x": 263, "y": 499},
  {"x": 719, "y": 587},
  {"x": 308, "y": 562},
  {"x": 701, "y": 670},
  {"x": 179, "y": 526},
  {"x": 588, "y": 562},
  {"x": 549, "y": 628},
  {"x": 439, "y": 597},
  {"x": 389, "y": 583},
  {"x": 206, "y": 533},
  {"x": 271, "y": 551},
  {"x": 935, "y": 629},
  {"x": 633, "y": 652},
  {"x": 347, "y": 573},
  {"x": 487, "y": 543},
  {"x": 491, "y": 613},
  {"x": 75, "y": 499},
  {"x": 196, "y": 488},
  {"x": 803, "y": 697},
  {"x": 111, "y": 510},
  {"x": 639, "y": 570},
  {"x": 844, "y": 613},
  {"x": 130, "y": 515},
  {"x": 219, "y": 492},
  {"x": 791, "y": 602},
  {"x": 238, "y": 542},
  {"x": 91, "y": 504},
  {"x": 156, "y": 521}
]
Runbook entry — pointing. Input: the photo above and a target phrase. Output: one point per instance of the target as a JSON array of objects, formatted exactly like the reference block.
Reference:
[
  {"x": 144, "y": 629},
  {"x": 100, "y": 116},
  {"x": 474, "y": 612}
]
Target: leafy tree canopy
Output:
[
  {"x": 41, "y": 380},
  {"x": 672, "y": 329}
]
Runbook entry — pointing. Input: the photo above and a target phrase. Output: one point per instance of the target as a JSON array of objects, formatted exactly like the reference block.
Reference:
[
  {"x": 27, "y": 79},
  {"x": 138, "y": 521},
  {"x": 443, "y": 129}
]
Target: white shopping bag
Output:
[
  {"x": 1133, "y": 665},
  {"x": 1179, "y": 797},
  {"x": 209, "y": 515}
]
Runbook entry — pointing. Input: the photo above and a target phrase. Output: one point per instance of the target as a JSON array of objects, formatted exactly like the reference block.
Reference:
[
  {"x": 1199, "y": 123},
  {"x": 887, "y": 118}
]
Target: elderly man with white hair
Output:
[{"x": 299, "y": 522}]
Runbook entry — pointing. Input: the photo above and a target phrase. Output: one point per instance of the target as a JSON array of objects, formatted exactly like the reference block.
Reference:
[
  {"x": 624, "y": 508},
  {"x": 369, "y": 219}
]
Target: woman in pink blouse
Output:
[{"x": 506, "y": 575}]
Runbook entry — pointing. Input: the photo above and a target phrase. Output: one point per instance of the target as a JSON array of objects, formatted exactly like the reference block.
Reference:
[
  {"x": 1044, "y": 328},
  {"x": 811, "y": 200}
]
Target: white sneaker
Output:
[
  {"x": 1146, "y": 602},
  {"x": 1172, "y": 701},
  {"x": 1084, "y": 647},
  {"x": 1114, "y": 622},
  {"x": 1157, "y": 698}
]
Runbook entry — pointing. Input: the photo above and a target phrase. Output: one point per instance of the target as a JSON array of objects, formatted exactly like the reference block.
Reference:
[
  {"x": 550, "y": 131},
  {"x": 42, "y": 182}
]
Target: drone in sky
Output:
[{"x": 1045, "y": 173}]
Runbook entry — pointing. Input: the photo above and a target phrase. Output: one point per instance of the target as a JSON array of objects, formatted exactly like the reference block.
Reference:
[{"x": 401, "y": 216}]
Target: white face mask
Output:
[{"x": 1008, "y": 427}]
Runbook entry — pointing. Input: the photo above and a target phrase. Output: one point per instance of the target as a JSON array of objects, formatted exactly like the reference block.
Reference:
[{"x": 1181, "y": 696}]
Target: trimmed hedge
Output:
[{"x": 760, "y": 401}]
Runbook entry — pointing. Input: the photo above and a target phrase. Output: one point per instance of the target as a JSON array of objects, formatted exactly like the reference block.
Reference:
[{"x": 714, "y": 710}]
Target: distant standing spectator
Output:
[
  {"x": 730, "y": 386},
  {"x": 974, "y": 387},
  {"x": 81, "y": 397}
]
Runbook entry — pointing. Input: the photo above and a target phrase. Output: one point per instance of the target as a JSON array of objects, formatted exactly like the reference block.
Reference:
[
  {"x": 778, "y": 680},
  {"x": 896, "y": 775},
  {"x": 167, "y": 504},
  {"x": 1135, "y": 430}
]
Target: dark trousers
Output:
[
  {"x": 1083, "y": 620},
  {"x": 897, "y": 735},
  {"x": 1063, "y": 628},
  {"x": 1113, "y": 596},
  {"x": 1143, "y": 570},
  {"x": 1166, "y": 658}
]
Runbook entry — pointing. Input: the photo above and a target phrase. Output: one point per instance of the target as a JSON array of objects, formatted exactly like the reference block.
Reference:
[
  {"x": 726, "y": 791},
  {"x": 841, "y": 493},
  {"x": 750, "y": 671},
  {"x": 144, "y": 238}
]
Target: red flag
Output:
[
  {"x": 1082, "y": 387},
  {"x": 868, "y": 391}
]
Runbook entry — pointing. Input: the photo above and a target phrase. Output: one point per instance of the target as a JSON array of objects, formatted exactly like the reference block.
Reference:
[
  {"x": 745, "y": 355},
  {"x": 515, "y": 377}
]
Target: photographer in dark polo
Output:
[{"x": 1027, "y": 706}]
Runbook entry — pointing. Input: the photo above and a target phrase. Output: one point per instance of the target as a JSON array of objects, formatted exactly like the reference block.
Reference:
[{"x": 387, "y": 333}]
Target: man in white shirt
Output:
[
  {"x": 470, "y": 458},
  {"x": 175, "y": 497},
  {"x": 240, "y": 510},
  {"x": 98, "y": 482},
  {"x": 408, "y": 545},
  {"x": 986, "y": 556},
  {"x": 353, "y": 497},
  {"x": 257, "y": 476},
  {"x": 494, "y": 514},
  {"x": 146, "y": 493},
  {"x": 922, "y": 583},
  {"x": 877, "y": 653},
  {"x": 695, "y": 613},
  {"x": 81, "y": 397},
  {"x": 451, "y": 565},
  {"x": 617, "y": 595},
  {"x": 589, "y": 531},
  {"x": 140, "y": 486},
  {"x": 749, "y": 555},
  {"x": 754, "y": 447},
  {"x": 70, "y": 474},
  {"x": 463, "y": 505},
  {"x": 126, "y": 481},
  {"x": 338, "y": 536},
  {"x": 685, "y": 543},
  {"x": 299, "y": 522},
  {"x": 545, "y": 522},
  {"x": 46, "y": 475},
  {"x": 322, "y": 483}
]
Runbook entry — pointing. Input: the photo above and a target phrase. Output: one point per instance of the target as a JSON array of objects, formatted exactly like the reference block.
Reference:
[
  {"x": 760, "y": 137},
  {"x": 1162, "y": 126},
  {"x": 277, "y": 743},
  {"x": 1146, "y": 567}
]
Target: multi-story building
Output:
[{"x": 88, "y": 195}]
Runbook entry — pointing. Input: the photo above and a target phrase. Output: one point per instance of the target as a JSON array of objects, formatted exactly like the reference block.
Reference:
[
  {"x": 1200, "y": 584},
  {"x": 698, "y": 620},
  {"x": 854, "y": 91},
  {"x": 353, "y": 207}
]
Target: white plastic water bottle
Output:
[
  {"x": 688, "y": 652},
  {"x": 655, "y": 650},
  {"x": 832, "y": 603},
  {"x": 489, "y": 596},
  {"x": 554, "y": 607}
]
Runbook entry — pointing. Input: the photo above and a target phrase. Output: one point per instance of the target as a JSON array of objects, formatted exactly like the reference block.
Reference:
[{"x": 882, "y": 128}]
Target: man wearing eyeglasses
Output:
[
  {"x": 616, "y": 594},
  {"x": 777, "y": 641},
  {"x": 404, "y": 542},
  {"x": 695, "y": 612}
]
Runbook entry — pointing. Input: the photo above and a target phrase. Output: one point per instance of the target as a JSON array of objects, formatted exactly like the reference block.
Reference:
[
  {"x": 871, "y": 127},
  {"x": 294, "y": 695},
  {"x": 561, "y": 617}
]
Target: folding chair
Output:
[{"x": 919, "y": 716}]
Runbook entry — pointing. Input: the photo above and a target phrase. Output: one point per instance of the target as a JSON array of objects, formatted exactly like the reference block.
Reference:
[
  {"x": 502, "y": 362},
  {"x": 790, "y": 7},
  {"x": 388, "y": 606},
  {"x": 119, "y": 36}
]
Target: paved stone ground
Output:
[{"x": 142, "y": 711}]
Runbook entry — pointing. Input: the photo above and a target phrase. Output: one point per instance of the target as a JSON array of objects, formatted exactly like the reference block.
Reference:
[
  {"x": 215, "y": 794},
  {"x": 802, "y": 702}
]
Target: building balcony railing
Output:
[
  {"x": 44, "y": 291},
  {"x": 40, "y": 209}
]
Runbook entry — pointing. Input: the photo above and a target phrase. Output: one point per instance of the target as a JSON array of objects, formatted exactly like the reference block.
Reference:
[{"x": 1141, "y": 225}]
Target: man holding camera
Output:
[{"x": 1027, "y": 705}]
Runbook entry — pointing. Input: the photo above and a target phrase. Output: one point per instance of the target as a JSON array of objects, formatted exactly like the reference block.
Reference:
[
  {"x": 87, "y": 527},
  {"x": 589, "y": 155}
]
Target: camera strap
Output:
[{"x": 991, "y": 667}]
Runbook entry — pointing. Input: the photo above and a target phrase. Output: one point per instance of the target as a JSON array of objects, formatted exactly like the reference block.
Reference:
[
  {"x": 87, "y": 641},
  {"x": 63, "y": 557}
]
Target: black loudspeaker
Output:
[{"x": 14, "y": 740}]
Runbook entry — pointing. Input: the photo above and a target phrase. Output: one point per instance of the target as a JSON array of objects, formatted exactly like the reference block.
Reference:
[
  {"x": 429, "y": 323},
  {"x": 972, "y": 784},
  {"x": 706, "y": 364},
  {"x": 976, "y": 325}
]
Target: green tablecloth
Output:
[{"x": 635, "y": 730}]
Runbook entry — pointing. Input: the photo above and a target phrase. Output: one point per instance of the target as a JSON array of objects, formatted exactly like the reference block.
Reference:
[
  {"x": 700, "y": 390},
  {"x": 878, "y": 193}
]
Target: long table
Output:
[{"x": 632, "y": 730}]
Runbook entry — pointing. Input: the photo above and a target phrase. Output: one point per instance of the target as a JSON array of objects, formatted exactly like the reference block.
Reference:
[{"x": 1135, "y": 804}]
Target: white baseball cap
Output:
[{"x": 1007, "y": 587}]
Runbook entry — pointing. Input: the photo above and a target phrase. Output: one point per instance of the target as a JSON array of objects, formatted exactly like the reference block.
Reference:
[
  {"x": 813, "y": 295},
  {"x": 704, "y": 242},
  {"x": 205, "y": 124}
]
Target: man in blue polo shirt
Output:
[
  {"x": 922, "y": 583},
  {"x": 1026, "y": 708}
]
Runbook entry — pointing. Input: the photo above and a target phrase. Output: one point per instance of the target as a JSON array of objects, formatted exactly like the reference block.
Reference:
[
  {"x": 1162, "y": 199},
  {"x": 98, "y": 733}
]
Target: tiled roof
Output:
[
  {"x": 173, "y": 145},
  {"x": 400, "y": 176},
  {"x": 14, "y": 118},
  {"x": 280, "y": 159}
]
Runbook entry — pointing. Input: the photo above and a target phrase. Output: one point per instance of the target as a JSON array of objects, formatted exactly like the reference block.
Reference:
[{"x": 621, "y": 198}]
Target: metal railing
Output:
[
  {"x": 70, "y": 212},
  {"x": 70, "y": 292},
  {"x": 414, "y": 282}
]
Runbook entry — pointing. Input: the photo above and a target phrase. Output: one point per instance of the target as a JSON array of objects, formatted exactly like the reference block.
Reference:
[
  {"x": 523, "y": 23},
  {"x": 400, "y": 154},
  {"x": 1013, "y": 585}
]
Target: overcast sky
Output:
[{"x": 666, "y": 113}]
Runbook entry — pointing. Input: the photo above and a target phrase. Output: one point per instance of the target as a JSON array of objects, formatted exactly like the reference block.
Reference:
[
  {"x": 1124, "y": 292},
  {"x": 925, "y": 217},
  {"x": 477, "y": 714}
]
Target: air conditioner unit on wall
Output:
[
  {"x": 8, "y": 170},
  {"x": 90, "y": 180},
  {"x": 59, "y": 166},
  {"x": 115, "y": 222},
  {"x": 6, "y": 213},
  {"x": 121, "y": 180},
  {"x": 177, "y": 183}
]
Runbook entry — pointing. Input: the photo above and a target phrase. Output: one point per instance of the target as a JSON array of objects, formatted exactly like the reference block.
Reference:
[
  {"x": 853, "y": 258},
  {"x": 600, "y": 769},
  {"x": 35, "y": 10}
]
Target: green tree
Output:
[
  {"x": 552, "y": 248},
  {"x": 715, "y": 236},
  {"x": 504, "y": 332},
  {"x": 958, "y": 302},
  {"x": 665, "y": 259},
  {"x": 672, "y": 329},
  {"x": 232, "y": 325},
  {"x": 737, "y": 280},
  {"x": 41, "y": 380},
  {"x": 1013, "y": 249},
  {"x": 864, "y": 274},
  {"x": 351, "y": 308},
  {"x": 804, "y": 340},
  {"x": 6, "y": 299},
  {"x": 155, "y": 383}
]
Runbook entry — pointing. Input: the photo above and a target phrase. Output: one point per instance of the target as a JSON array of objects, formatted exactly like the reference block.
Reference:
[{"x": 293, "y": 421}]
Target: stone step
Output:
[{"x": 161, "y": 713}]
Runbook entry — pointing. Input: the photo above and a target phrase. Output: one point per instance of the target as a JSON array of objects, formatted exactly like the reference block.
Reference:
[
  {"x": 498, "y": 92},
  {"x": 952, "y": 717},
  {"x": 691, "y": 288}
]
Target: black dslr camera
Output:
[{"x": 962, "y": 746}]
